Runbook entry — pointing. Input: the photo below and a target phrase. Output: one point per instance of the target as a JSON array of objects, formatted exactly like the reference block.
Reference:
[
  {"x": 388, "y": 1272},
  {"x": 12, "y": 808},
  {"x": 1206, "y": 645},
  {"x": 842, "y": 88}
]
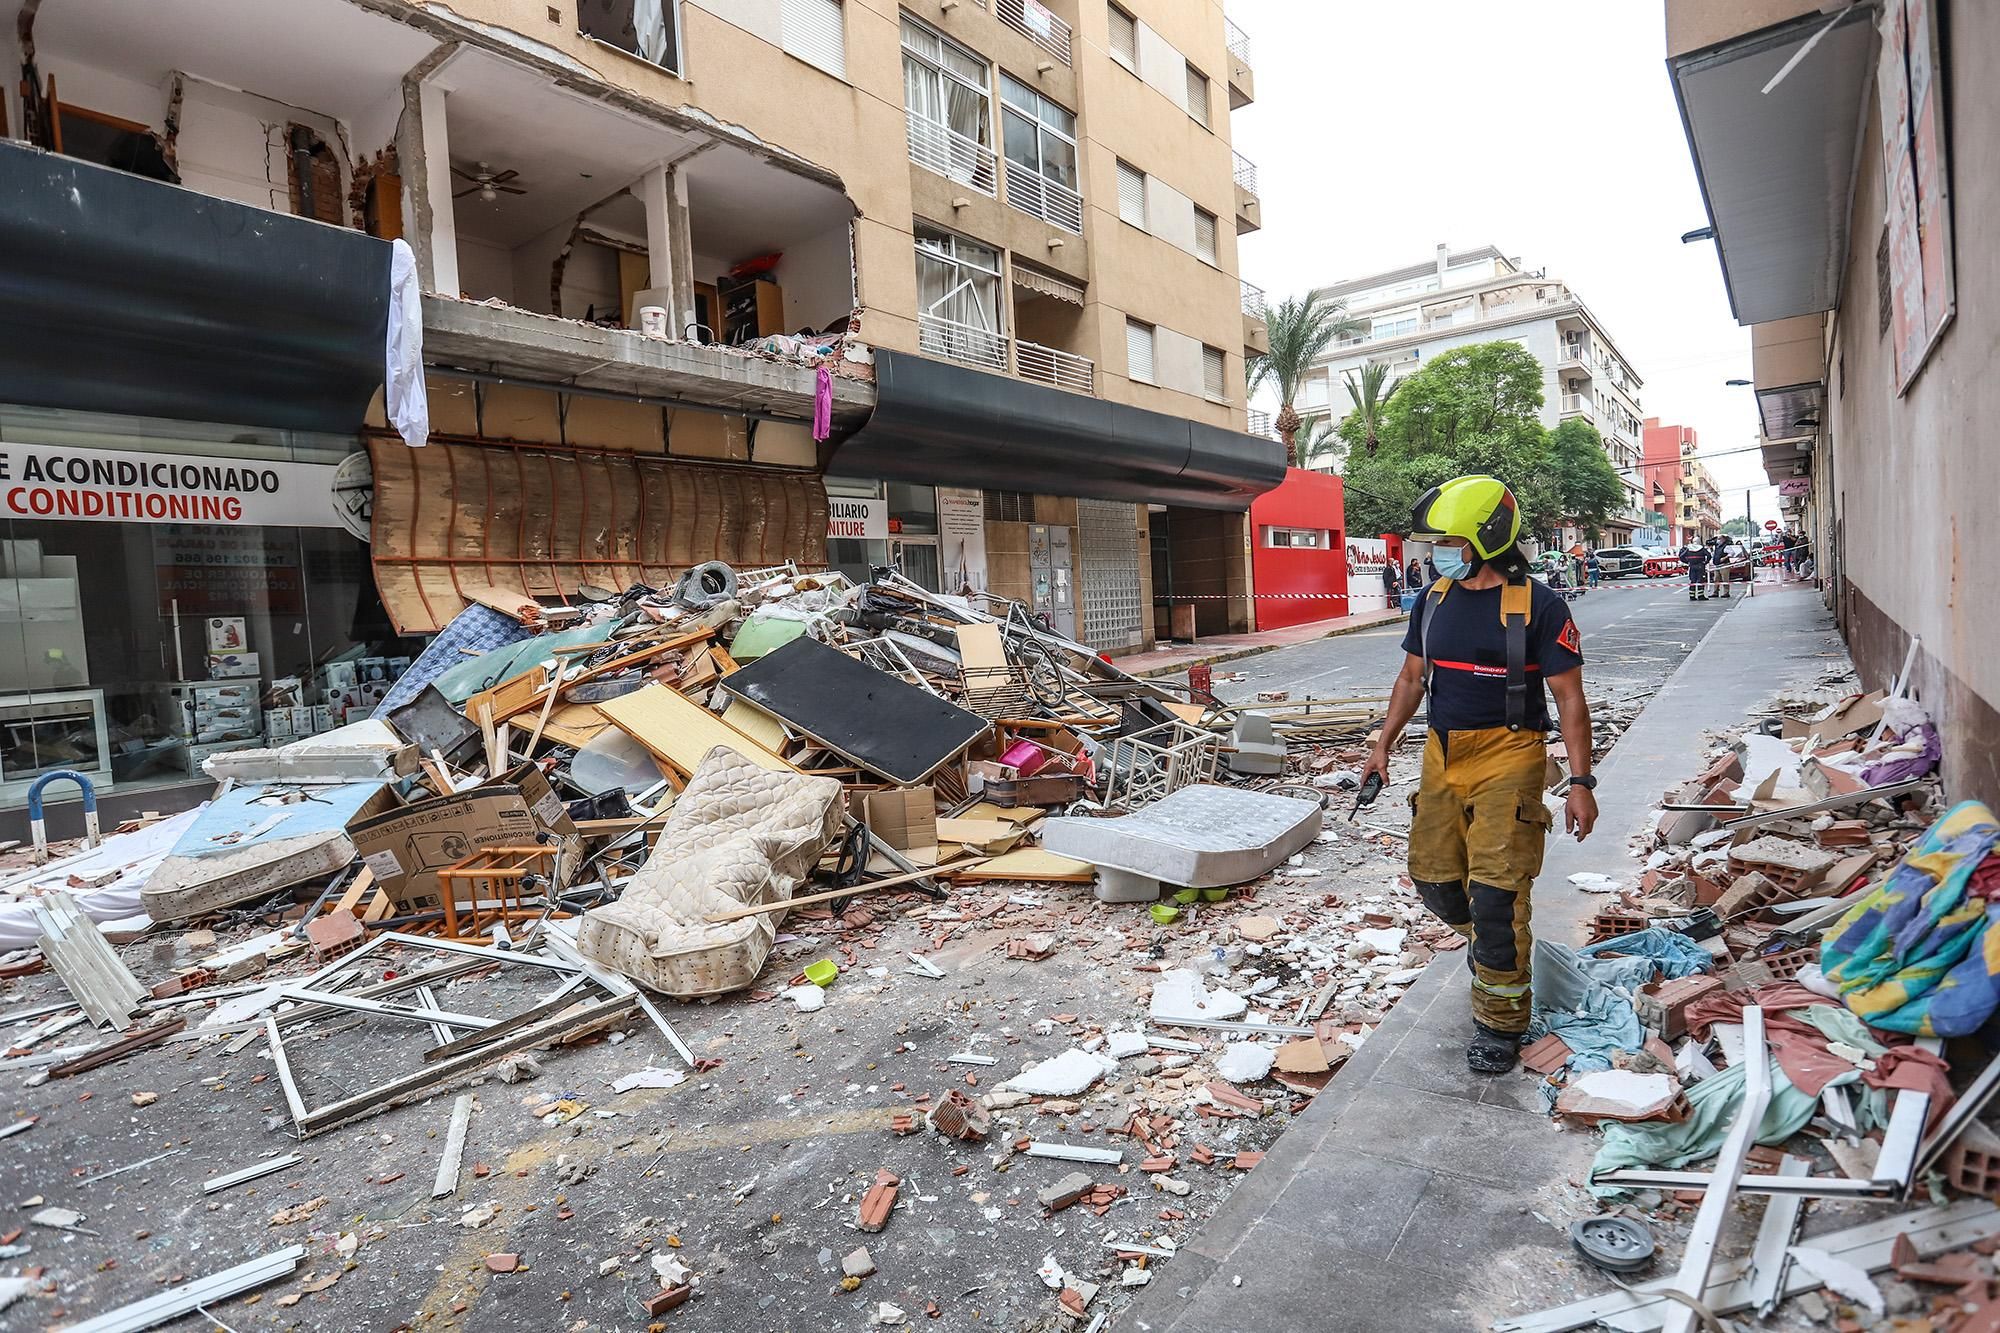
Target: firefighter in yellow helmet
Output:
[{"x": 1483, "y": 641}]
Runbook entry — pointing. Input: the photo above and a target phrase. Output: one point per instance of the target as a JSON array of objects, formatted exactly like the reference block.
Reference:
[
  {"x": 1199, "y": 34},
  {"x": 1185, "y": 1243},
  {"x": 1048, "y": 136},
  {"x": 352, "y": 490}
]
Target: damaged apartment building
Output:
[{"x": 951, "y": 287}]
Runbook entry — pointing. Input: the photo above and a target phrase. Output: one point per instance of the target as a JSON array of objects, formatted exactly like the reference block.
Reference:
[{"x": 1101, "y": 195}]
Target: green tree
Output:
[
  {"x": 1371, "y": 401},
  {"x": 1472, "y": 409},
  {"x": 1739, "y": 528},
  {"x": 1588, "y": 489},
  {"x": 1320, "y": 442},
  {"x": 1301, "y": 328}
]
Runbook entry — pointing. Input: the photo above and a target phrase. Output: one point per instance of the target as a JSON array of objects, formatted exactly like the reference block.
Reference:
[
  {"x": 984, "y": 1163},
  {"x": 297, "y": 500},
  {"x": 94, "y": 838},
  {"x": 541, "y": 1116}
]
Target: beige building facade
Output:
[
  {"x": 949, "y": 287},
  {"x": 1840, "y": 153}
]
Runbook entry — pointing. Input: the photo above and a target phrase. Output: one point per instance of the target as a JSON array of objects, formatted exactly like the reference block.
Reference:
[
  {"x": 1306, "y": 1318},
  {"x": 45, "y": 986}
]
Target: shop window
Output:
[
  {"x": 648, "y": 29},
  {"x": 912, "y": 509},
  {"x": 169, "y": 591}
]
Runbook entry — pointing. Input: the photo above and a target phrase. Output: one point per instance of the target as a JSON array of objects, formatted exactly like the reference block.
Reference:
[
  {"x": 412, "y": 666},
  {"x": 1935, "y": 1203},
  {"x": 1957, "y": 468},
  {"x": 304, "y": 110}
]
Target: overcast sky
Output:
[{"x": 1545, "y": 128}]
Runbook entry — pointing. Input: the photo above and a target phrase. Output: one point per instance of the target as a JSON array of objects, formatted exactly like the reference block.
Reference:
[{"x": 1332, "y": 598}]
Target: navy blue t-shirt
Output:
[{"x": 1468, "y": 649}]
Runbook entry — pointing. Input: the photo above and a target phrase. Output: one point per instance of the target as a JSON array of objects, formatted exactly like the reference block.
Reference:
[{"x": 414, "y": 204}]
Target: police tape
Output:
[{"x": 1649, "y": 584}]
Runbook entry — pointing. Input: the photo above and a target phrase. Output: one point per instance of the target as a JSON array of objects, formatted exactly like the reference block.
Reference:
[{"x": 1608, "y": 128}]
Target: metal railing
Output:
[
  {"x": 944, "y": 150},
  {"x": 1246, "y": 171},
  {"x": 1033, "y": 20},
  {"x": 1570, "y": 353},
  {"x": 1253, "y": 301},
  {"x": 1239, "y": 41},
  {"x": 964, "y": 343},
  {"x": 1261, "y": 423},
  {"x": 1578, "y": 402},
  {"x": 1062, "y": 370},
  {"x": 1039, "y": 197}
]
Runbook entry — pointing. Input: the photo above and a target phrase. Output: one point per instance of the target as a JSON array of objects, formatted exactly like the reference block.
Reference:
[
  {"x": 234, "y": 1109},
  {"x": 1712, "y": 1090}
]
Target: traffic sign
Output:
[{"x": 1770, "y": 525}]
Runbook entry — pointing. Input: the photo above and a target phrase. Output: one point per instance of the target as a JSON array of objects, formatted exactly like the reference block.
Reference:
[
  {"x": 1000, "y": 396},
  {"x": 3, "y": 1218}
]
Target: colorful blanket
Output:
[{"x": 1917, "y": 955}]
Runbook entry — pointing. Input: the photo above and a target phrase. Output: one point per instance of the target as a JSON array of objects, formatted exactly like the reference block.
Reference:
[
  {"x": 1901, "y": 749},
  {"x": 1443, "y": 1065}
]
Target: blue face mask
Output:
[{"x": 1451, "y": 562}]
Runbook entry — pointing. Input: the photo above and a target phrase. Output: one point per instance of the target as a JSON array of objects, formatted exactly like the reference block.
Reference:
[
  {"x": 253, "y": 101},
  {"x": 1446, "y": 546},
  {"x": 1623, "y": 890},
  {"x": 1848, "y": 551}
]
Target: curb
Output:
[{"x": 1251, "y": 650}]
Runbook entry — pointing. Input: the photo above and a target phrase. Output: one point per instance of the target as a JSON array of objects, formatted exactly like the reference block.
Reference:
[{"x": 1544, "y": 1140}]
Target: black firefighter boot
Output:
[{"x": 1491, "y": 1052}]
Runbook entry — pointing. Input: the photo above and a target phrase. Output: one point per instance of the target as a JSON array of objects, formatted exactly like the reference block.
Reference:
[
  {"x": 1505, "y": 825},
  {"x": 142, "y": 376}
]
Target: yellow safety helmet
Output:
[{"x": 1479, "y": 509}]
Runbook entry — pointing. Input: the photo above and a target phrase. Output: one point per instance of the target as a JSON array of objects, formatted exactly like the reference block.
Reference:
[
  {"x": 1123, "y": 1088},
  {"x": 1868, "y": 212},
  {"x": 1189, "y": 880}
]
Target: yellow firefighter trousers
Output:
[{"x": 1477, "y": 831}]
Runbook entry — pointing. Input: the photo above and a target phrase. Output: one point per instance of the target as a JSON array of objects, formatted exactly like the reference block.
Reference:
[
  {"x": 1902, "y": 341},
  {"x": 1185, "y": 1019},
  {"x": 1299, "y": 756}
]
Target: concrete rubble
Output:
[{"x": 383, "y": 941}]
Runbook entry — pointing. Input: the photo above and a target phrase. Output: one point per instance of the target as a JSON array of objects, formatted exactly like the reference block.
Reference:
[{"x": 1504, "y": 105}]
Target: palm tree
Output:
[
  {"x": 1319, "y": 440},
  {"x": 1301, "y": 328},
  {"x": 1370, "y": 398}
]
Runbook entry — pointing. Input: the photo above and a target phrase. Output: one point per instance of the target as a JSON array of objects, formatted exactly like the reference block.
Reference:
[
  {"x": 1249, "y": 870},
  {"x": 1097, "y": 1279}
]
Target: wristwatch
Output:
[{"x": 1587, "y": 781}]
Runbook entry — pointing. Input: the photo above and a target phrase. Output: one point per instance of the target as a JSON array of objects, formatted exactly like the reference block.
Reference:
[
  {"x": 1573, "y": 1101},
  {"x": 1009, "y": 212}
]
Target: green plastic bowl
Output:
[
  {"x": 822, "y": 972},
  {"x": 1214, "y": 895},
  {"x": 1165, "y": 914},
  {"x": 1187, "y": 895}
]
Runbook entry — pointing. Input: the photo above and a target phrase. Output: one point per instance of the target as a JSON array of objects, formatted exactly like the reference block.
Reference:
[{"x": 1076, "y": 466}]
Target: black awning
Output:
[
  {"x": 939, "y": 423},
  {"x": 127, "y": 295}
]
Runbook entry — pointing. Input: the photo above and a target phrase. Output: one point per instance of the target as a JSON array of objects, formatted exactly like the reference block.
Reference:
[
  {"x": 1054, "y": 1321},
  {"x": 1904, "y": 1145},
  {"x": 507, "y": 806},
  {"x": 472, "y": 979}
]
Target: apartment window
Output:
[
  {"x": 1132, "y": 195},
  {"x": 1204, "y": 235},
  {"x": 1138, "y": 351},
  {"x": 948, "y": 92},
  {"x": 648, "y": 29},
  {"x": 1124, "y": 39},
  {"x": 1197, "y": 94},
  {"x": 1214, "y": 373},
  {"x": 1393, "y": 328},
  {"x": 1040, "y": 141},
  {"x": 958, "y": 299},
  {"x": 816, "y": 32}
]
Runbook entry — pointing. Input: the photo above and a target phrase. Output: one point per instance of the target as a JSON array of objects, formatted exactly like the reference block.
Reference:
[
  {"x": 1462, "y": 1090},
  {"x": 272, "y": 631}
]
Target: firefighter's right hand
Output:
[{"x": 1378, "y": 763}]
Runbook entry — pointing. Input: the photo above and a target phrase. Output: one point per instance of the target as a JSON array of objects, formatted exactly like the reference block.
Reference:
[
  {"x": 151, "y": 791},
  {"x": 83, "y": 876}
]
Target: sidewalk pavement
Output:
[
  {"x": 1403, "y": 1199},
  {"x": 1227, "y": 647}
]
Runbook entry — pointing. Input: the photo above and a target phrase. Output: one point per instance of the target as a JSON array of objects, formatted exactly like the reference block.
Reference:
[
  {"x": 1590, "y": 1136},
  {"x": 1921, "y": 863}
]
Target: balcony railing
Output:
[
  {"x": 1568, "y": 353},
  {"x": 966, "y": 344},
  {"x": 1578, "y": 402},
  {"x": 1239, "y": 41},
  {"x": 1246, "y": 171},
  {"x": 970, "y": 345},
  {"x": 1062, "y": 370},
  {"x": 1253, "y": 301},
  {"x": 1261, "y": 424},
  {"x": 1033, "y": 20},
  {"x": 1039, "y": 197},
  {"x": 944, "y": 150}
]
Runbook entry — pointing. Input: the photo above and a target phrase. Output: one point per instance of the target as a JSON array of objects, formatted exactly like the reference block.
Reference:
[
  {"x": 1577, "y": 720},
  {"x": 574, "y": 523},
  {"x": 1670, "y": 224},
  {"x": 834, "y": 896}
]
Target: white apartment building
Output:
[{"x": 1482, "y": 295}]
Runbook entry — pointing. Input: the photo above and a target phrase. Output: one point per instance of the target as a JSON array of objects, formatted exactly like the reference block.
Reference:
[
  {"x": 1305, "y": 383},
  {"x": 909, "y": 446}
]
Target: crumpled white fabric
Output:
[{"x": 408, "y": 403}]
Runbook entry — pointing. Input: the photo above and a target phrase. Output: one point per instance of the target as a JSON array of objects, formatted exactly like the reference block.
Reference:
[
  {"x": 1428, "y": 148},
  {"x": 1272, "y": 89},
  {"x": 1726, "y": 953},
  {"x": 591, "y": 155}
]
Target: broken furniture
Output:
[
  {"x": 739, "y": 836},
  {"x": 496, "y": 884},
  {"x": 863, "y": 715},
  {"x": 1157, "y": 761},
  {"x": 1199, "y": 837},
  {"x": 252, "y": 841}
]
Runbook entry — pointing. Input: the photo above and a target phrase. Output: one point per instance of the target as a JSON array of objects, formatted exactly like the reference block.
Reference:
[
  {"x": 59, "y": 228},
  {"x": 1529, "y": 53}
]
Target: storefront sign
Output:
[
  {"x": 857, "y": 520},
  {"x": 1367, "y": 557},
  {"x": 100, "y": 486},
  {"x": 962, "y": 538},
  {"x": 1795, "y": 486}
]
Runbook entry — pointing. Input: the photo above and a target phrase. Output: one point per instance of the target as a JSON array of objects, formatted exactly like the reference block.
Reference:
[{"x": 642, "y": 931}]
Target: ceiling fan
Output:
[{"x": 487, "y": 183}]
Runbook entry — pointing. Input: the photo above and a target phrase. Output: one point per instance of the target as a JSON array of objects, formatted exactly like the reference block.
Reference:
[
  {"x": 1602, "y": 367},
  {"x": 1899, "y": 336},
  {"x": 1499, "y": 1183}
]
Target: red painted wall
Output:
[{"x": 1305, "y": 499}]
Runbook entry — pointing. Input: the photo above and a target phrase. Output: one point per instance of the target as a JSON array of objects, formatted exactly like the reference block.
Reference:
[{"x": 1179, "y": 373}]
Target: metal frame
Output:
[
  {"x": 1699, "y": 1255},
  {"x": 1772, "y": 1256},
  {"x": 191, "y": 1296}
]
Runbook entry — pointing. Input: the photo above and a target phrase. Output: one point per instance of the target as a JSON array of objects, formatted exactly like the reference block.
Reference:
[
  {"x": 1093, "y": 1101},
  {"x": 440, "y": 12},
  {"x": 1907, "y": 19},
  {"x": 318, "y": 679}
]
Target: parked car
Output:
[
  {"x": 1617, "y": 562},
  {"x": 1663, "y": 565}
]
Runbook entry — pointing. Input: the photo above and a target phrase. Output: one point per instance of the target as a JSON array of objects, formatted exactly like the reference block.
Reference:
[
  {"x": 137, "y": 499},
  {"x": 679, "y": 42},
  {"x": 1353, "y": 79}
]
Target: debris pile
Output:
[
  {"x": 1771, "y": 998},
  {"x": 770, "y": 787}
]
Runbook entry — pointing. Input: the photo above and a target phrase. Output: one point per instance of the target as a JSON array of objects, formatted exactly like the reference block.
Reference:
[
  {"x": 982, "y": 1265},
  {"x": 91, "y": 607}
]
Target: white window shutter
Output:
[
  {"x": 1132, "y": 195},
  {"x": 1204, "y": 235},
  {"x": 1124, "y": 38},
  {"x": 1138, "y": 351},
  {"x": 1214, "y": 382},
  {"x": 1197, "y": 94},
  {"x": 816, "y": 32}
]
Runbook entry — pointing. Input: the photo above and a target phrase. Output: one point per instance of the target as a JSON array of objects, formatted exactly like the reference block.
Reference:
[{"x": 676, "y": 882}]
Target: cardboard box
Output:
[
  {"x": 225, "y": 666},
  {"x": 285, "y": 692},
  {"x": 228, "y": 634},
  {"x": 301, "y": 720},
  {"x": 337, "y": 676},
  {"x": 322, "y": 718},
  {"x": 406, "y": 848},
  {"x": 372, "y": 669},
  {"x": 905, "y": 818},
  {"x": 278, "y": 724},
  {"x": 397, "y": 666}
]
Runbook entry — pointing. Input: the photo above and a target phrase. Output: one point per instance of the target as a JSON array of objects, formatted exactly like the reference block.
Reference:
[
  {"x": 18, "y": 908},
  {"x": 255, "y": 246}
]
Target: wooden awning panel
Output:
[{"x": 542, "y": 521}]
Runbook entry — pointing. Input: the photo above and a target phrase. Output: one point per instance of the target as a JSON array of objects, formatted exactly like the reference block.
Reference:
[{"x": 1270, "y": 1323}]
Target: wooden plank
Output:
[
  {"x": 350, "y": 901},
  {"x": 515, "y": 695},
  {"x": 679, "y": 731},
  {"x": 1031, "y": 863},
  {"x": 757, "y": 724},
  {"x": 893, "y": 881}
]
